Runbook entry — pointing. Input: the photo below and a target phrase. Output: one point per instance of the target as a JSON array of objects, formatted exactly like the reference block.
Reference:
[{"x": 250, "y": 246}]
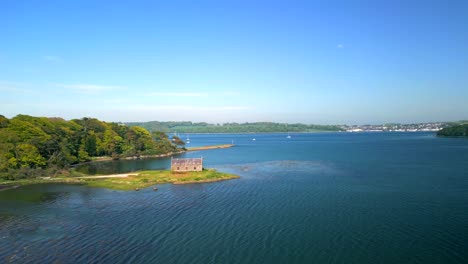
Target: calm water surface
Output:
[{"x": 314, "y": 198}]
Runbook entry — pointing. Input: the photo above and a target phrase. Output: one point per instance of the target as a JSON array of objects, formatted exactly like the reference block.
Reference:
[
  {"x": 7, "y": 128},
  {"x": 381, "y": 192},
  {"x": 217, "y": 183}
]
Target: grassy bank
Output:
[
  {"x": 137, "y": 180},
  {"x": 4, "y": 184},
  {"x": 148, "y": 178}
]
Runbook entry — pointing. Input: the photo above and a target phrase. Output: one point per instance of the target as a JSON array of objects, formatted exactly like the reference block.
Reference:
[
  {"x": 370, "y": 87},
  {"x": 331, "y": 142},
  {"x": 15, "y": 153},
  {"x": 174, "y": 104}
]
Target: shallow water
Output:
[{"x": 314, "y": 198}]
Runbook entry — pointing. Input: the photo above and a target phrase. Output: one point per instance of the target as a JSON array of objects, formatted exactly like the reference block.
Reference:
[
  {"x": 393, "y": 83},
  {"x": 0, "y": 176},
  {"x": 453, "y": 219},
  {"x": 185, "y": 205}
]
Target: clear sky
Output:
[{"x": 324, "y": 62}]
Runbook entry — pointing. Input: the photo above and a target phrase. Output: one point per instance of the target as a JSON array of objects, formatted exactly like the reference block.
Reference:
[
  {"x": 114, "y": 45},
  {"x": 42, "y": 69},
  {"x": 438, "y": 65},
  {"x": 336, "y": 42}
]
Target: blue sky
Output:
[{"x": 325, "y": 62}]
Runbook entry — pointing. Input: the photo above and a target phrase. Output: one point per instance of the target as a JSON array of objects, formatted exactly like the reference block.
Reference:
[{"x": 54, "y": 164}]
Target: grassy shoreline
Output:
[
  {"x": 77, "y": 178},
  {"x": 145, "y": 179},
  {"x": 130, "y": 181}
]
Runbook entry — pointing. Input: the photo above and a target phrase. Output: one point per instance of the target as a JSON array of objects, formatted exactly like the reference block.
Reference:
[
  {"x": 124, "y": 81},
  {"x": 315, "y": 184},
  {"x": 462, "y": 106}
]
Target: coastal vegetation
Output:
[
  {"x": 257, "y": 127},
  {"x": 145, "y": 179},
  {"x": 41, "y": 146},
  {"x": 460, "y": 130},
  {"x": 130, "y": 181}
]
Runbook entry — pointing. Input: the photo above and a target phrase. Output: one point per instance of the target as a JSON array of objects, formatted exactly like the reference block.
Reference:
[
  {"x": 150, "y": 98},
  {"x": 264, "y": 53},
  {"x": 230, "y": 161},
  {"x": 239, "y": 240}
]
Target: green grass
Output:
[
  {"x": 148, "y": 178},
  {"x": 39, "y": 180},
  {"x": 142, "y": 180}
]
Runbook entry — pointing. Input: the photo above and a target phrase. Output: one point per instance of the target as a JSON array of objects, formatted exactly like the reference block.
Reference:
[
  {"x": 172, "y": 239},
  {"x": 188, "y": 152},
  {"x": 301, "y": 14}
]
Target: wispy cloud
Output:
[
  {"x": 13, "y": 87},
  {"x": 190, "y": 94},
  {"x": 340, "y": 46},
  {"x": 51, "y": 58},
  {"x": 90, "y": 88},
  {"x": 177, "y": 94}
]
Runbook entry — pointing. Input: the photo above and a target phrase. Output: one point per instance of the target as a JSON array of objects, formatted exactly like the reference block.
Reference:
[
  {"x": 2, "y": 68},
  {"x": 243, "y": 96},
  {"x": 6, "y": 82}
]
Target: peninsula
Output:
[
  {"x": 129, "y": 181},
  {"x": 32, "y": 148},
  {"x": 460, "y": 130},
  {"x": 145, "y": 179},
  {"x": 210, "y": 147}
]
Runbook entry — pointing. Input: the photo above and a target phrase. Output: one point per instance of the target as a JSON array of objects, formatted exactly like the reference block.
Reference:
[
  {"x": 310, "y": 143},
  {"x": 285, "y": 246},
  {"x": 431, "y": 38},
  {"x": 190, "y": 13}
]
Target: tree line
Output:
[
  {"x": 256, "y": 127},
  {"x": 454, "y": 131},
  {"x": 39, "y": 146}
]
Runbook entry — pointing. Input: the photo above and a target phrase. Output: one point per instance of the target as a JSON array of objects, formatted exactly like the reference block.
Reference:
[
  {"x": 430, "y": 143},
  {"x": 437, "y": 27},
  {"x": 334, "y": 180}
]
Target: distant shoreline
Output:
[
  {"x": 293, "y": 133},
  {"x": 240, "y": 133}
]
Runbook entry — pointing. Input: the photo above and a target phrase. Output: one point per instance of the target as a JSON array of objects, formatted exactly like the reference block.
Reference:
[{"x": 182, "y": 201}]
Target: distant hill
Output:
[
  {"x": 257, "y": 127},
  {"x": 454, "y": 131}
]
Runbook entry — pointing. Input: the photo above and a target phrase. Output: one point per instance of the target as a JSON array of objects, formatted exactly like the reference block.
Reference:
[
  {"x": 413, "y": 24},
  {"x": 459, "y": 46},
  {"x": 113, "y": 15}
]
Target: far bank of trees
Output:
[
  {"x": 35, "y": 146},
  {"x": 257, "y": 127},
  {"x": 454, "y": 131}
]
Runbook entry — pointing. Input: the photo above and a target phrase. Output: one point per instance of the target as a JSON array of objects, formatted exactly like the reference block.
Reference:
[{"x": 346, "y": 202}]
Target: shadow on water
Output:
[
  {"x": 122, "y": 166},
  {"x": 280, "y": 168},
  {"x": 36, "y": 193}
]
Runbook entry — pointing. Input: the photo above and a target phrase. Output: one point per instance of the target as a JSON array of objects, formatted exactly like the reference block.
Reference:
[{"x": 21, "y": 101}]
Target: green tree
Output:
[
  {"x": 29, "y": 145},
  {"x": 90, "y": 143},
  {"x": 3, "y": 121},
  {"x": 454, "y": 131},
  {"x": 29, "y": 156},
  {"x": 112, "y": 143}
]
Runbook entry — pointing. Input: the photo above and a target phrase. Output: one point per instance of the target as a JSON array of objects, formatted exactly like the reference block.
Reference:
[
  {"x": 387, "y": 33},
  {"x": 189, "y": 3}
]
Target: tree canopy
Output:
[
  {"x": 454, "y": 131},
  {"x": 257, "y": 127},
  {"x": 36, "y": 145}
]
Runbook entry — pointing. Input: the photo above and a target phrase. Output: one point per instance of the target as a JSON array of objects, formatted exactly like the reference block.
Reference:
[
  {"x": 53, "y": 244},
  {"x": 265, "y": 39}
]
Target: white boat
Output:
[
  {"x": 289, "y": 136},
  {"x": 253, "y": 139}
]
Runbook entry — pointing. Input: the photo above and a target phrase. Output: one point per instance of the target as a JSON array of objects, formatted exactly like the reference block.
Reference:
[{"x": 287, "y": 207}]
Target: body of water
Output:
[{"x": 313, "y": 198}]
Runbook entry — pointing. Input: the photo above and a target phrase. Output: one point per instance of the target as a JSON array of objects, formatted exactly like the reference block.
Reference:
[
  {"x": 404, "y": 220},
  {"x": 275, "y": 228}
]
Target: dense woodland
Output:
[
  {"x": 258, "y": 127},
  {"x": 38, "y": 146},
  {"x": 454, "y": 131}
]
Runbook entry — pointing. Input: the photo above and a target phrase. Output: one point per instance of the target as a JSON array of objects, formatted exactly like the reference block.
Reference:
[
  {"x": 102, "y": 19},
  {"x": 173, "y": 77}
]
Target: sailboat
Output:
[
  {"x": 289, "y": 136},
  {"x": 188, "y": 139}
]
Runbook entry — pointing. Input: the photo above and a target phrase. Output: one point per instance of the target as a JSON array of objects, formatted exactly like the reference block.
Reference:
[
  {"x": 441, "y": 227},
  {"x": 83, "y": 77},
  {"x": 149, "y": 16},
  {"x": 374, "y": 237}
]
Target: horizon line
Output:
[{"x": 252, "y": 122}]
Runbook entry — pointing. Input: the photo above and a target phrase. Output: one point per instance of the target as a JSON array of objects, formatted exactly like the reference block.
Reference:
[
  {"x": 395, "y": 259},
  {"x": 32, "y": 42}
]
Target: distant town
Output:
[{"x": 433, "y": 126}]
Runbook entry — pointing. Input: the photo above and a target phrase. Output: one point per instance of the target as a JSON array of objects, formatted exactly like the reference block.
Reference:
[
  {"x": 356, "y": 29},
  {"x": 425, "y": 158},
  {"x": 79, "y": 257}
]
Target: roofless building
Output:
[{"x": 184, "y": 165}]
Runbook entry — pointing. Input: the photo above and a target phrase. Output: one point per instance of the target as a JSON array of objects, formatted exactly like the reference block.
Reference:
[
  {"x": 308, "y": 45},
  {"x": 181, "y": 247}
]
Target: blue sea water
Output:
[{"x": 314, "y": 198}]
